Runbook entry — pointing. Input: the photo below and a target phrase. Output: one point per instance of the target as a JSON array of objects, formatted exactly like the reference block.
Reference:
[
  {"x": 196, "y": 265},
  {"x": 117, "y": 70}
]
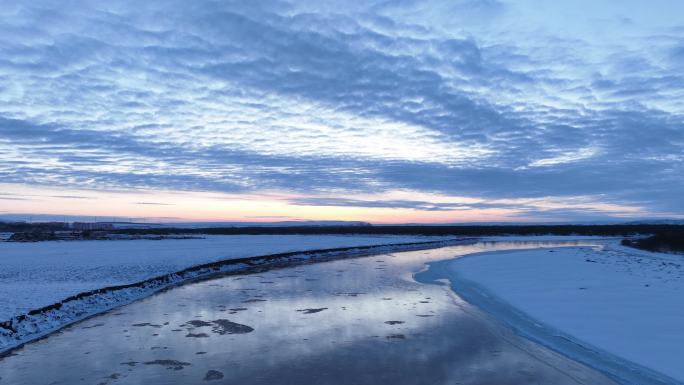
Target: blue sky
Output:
[{"x": 389, "y": 111}]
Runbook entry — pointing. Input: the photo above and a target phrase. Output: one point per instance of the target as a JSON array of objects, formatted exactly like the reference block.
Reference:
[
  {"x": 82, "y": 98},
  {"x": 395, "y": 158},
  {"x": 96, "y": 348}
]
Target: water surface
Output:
[{"x": 356, "y": 321}]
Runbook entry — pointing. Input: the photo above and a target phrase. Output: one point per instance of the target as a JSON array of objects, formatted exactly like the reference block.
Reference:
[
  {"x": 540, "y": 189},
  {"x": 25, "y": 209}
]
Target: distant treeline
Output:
[
  {"x": 669, "y": 241},
  {"x": 474, "y": 231},
  {"x": 13, "y": 227},
  {"x": 671, "y": 234}
]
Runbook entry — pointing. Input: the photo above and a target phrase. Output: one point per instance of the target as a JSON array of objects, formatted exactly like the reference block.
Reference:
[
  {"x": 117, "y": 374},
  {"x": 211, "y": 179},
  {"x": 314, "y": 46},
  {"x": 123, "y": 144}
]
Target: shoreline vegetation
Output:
[
  {"x": 465, "y": 230},
  {"x": 663, "y": 236},
  {"x": 665, "y": 242}
]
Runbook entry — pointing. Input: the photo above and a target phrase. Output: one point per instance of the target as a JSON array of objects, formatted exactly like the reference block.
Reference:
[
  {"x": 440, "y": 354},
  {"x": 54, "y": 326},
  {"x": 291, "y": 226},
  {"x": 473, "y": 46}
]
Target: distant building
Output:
[{"x": 92, "y": 226}]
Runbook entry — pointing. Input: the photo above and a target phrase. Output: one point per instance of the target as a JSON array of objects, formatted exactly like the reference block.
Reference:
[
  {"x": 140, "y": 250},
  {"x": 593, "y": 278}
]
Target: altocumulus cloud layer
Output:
[{"x": 475, "y": 98}]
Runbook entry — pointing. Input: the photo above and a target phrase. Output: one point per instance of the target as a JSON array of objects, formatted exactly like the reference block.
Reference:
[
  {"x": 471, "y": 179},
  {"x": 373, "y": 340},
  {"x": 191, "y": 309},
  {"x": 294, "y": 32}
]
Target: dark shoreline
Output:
[
  {"x": 666, "y": 242},
  {"x": 453, "y": 230},
  {"x": 467, "y": 230}
]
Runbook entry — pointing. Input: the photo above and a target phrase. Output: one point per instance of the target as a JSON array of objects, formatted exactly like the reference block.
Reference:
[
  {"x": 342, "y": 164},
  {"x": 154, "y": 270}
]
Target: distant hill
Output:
[
  {"x": 205, "y": 225},
  {"x": 656, "y": 222}
]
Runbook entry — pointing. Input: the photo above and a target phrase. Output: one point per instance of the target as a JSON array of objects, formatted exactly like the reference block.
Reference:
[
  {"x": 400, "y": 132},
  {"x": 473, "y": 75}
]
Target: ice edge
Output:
[{"x": 617, "y": 368}]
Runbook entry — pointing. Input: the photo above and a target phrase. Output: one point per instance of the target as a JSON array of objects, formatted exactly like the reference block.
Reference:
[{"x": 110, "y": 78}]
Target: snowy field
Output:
[
  {"x": 33, "y": 275},
  {"x": 626, "y": 302}
]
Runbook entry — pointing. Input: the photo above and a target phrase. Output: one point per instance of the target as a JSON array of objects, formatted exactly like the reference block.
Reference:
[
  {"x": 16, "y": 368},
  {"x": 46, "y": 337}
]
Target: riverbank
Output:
[
  {"x": 33, "y": 275},
  {"x": 47, "y": 319},
  {"x": 614, "y": 309}
]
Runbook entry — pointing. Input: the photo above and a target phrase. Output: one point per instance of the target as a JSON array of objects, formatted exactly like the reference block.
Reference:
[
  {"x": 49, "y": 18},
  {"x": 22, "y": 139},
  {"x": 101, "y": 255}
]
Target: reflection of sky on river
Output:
[{"x": 441, "y": 339}]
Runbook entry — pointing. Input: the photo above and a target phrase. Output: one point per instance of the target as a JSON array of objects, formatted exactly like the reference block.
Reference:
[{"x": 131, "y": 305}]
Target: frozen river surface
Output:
[{"x": 355, "y": 321}]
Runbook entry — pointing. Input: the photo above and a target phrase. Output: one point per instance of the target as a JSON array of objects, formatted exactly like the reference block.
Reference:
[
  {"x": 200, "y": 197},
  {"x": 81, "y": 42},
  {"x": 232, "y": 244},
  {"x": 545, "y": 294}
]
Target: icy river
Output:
[{"x": 354, "y": 321}]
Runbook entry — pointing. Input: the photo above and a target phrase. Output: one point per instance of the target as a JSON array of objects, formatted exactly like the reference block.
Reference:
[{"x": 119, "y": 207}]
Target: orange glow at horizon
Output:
[{"x": 174, "y": 206}]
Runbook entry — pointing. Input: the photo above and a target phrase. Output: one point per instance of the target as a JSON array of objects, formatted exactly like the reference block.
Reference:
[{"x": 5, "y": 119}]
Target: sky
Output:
[{"x": 402, "y": 111}]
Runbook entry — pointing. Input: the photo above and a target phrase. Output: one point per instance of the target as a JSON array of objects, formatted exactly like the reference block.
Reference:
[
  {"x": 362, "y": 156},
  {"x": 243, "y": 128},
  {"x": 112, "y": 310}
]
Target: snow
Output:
[
  {"x": 33, "y": 275},
  {"x": 627, "y": 303},
  {"x": 545, "y": 238},
  {"x": 40, "y": 322}
]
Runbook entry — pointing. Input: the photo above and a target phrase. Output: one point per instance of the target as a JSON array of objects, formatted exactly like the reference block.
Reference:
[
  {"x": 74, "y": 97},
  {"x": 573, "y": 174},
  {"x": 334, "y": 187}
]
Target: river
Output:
[{"x": 354, "y": 321}]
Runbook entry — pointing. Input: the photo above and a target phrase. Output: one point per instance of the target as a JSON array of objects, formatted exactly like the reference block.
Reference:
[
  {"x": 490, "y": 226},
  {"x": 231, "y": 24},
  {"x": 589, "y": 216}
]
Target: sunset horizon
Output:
[
  {"x": 334, "y": 192},
  {"x": 428, "y": 112}
]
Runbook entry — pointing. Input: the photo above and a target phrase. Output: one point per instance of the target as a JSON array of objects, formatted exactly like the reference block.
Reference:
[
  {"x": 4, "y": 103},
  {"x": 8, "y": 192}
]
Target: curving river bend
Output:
[{"x": 355, "y": 321}]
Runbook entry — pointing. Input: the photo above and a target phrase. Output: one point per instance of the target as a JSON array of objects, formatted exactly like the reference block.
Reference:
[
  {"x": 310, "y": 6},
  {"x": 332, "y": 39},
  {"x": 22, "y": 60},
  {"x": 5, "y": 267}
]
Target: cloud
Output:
[
  {"x": 280, "y": 95},
  {"x": 394, "y": 204},
  {"x": 153, "y": 204},
  {"x": 403, "y": 204}
]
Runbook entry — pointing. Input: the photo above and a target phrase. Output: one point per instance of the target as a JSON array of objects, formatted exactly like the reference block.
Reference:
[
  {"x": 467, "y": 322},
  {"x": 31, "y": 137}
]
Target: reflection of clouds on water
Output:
[{"x": 365, "y": 326}]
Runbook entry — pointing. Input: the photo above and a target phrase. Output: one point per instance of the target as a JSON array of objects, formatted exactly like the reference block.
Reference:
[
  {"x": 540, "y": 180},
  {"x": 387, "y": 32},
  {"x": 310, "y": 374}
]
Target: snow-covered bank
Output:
[
  {"x": 159, "y": 270},
  {"x": 618, "y": 306},
  {"x": 33, "y": 275}
]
